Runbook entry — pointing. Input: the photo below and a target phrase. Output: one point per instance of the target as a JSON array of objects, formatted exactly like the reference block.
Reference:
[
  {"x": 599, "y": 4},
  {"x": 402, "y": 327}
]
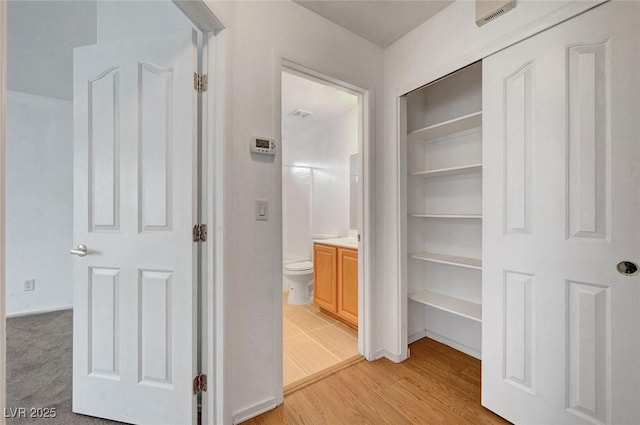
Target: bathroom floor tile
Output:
[
  {"x": 348, "y": 330},
  {"x": 292, "y": 372},
  {"x": 289, "y": 329},
  {"x": 335, "y": 340},
  {"x": 313, "y": 341},
  {"x": 308, "y": 355},
  {"x": 306, "y": 320}
]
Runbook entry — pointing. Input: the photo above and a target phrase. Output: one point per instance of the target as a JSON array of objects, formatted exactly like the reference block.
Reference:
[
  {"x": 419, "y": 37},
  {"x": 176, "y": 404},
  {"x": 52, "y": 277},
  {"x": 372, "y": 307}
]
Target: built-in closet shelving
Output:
[{"x": 443, "y": 239}]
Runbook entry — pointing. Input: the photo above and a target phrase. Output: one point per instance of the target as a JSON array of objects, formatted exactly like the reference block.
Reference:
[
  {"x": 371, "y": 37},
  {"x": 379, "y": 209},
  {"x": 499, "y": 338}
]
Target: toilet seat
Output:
[{"x": 299, "y": 266}]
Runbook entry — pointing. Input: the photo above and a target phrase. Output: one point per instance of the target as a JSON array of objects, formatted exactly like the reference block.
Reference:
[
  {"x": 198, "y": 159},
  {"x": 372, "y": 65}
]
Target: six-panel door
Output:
[{"x": 134, "y": 336}]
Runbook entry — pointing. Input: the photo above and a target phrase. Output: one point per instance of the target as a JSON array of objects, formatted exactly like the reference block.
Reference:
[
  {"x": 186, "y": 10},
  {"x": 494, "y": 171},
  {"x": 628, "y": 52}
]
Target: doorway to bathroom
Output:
[{"x": 322, "y": 141}]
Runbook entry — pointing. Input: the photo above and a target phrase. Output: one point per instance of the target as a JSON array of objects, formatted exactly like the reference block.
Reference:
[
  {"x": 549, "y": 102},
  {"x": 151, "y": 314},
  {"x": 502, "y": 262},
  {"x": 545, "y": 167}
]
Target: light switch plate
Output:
[{"x": 262, "y": 210}]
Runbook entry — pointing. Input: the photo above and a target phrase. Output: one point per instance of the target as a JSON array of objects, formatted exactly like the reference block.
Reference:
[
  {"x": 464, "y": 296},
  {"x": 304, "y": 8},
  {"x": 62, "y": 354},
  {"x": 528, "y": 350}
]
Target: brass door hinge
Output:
[
  {"x": 200, "y": 83},
  {"x": 199, "y": 383},
  {"x": 200, "y": 233}
]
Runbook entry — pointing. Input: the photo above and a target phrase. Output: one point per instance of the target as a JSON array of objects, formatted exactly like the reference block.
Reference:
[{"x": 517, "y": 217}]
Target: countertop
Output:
[{"x": 341, "y": 242}]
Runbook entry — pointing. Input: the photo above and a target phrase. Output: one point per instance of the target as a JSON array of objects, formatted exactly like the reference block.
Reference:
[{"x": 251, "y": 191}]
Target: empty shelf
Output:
[
  {"x": 448, "y": 216},
  {"x": 453, "y": 305},
  {"x": 453, "y": 126},
  {"x": 453, "y": 260},
  {"x": 442, "y": 172}
]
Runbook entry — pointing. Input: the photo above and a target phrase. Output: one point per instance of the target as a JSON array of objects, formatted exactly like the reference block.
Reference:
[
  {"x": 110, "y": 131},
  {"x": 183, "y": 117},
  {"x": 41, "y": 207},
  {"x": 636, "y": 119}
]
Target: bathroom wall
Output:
[{"x": 316, "y": 199}]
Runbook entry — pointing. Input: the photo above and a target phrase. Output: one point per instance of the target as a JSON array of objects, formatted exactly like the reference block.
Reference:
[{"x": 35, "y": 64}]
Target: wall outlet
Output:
[{"x": 30, "y": 285}]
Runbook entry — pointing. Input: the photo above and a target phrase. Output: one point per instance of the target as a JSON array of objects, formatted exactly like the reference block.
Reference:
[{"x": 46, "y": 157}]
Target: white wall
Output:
[
  {"x": 41, "y": 36},
  {"x": 119, "y": 20},
  {"x": 258, "y": 34},
  {"x": 39, "y": 202},
  {"x": 448, "y": 41}
]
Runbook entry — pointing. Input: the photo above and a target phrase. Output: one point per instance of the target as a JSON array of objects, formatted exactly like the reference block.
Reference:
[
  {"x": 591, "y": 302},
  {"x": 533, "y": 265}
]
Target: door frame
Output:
[
  {"x": 365, "y": 186},
  {"x": 212, "y": 332}
]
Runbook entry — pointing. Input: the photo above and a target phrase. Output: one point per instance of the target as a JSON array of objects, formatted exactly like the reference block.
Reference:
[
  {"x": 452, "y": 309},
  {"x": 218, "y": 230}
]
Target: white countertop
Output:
[{"x": 341, "y": 242}]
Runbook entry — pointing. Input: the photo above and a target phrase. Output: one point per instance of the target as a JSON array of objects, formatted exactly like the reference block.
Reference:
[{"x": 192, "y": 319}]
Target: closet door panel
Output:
[{"x": 560, "y": 205}]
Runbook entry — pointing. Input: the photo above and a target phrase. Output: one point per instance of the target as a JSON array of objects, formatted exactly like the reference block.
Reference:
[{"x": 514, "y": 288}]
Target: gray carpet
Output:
[{"x": 39, "y": 350}]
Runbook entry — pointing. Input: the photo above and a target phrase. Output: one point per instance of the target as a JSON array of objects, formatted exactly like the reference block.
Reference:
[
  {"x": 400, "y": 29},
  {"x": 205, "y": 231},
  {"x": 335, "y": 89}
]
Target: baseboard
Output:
[
  {"x": 396, "y": 358},
  {"x": 42, "y": 311},
  {"x": 416, "y": 336},
  {"x": 453, "y": 344},
  {"x": 255, "y": 410}
]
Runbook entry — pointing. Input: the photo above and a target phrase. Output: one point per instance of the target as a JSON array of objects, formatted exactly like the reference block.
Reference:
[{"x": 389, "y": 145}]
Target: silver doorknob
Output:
[
  {"x": 80, "y": 251},
  {"x": 627, "y": 268}
]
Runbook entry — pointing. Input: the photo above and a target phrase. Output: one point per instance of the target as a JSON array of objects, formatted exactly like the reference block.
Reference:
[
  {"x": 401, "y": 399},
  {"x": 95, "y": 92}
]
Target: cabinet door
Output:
[
  {"x": 348, "y": 285},
  {"x": 324, "y": 276}
]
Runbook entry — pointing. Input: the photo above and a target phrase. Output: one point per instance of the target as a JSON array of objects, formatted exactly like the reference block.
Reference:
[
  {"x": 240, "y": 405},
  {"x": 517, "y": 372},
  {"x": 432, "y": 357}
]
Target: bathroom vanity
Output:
[{"x": 335, "y": 277}]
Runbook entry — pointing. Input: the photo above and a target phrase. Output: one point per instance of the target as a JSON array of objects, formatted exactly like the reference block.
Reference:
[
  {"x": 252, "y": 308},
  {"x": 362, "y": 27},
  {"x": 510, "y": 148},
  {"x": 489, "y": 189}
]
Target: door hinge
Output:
[
  {"x": 199, "y": 383},
  {"x": 200, "y": 233},
  {"x": 200, "y": 82}
]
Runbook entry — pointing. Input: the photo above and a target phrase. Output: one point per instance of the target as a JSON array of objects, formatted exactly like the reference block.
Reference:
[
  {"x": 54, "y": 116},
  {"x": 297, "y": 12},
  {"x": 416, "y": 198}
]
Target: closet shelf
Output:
[
  {"x": 456, "y": 125},
  {"x": 443, "y": 172},
  {"x": 452, "y": 260},
  {"x": 448, "y": 216},
  {"x": 453, "y": 305}
]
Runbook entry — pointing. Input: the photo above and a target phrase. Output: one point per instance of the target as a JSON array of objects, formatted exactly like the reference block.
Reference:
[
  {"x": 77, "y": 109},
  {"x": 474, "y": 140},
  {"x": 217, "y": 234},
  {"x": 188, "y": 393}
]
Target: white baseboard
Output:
[
  {"x": 453, "y": 344},
  {"x": 396, "y": 358},
  {"x": 41, "y": 311},
  {"x": 416, "y": 336},
  {"x": 255, "y": 410}
]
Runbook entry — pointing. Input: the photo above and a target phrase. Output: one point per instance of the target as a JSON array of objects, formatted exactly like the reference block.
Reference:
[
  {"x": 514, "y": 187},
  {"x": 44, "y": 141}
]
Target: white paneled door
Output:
[
  {"x": 561, "y": 323},
  {"x": 134, "y": 333}
]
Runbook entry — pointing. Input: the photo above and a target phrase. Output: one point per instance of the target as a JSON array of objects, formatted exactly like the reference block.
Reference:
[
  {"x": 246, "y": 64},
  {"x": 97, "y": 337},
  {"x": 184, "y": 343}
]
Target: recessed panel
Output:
[
  {"x": 588, "y": 114},
  {"x": 518, "y": 139},
  {"x": 518, "y": 329},
  {"x": 155, "y": 126},
  {"x": 588, "y": 350},
  {"x": 104, "y": 151},
  {"x": 104, "y": 322},
  {"x": 155, "y": 327}
]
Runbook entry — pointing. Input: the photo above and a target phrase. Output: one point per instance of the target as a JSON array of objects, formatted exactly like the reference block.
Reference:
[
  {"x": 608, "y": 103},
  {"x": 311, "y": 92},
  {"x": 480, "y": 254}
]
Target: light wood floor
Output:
[
  {"x": 437, "y": 385},
  {"x": 313, "y": 342}
]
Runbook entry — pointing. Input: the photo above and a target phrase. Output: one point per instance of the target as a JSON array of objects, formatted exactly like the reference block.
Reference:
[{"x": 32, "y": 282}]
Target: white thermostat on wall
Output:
[{"x": 263, "y": 145}]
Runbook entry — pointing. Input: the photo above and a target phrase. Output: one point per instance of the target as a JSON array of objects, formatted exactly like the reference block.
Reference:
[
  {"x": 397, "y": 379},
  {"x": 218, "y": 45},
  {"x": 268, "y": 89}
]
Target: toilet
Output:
[{"x": 299, "y": 275}]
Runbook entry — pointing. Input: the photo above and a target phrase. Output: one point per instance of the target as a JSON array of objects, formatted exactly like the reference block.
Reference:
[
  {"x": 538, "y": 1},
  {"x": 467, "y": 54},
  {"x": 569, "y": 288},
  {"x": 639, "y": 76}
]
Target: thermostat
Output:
[{"x": 263, "y": 145}]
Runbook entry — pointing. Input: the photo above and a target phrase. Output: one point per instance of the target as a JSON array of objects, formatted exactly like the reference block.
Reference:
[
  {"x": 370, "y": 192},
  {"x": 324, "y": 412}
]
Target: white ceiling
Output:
[
  {"x": 379, "y": 21},
  {"x": 323, "y": 101},
  {"x": 40, "y": 38}
]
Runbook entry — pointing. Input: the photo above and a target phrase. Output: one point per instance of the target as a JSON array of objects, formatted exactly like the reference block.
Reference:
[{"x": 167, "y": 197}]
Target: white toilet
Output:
[{"x": 299, "y": 275}]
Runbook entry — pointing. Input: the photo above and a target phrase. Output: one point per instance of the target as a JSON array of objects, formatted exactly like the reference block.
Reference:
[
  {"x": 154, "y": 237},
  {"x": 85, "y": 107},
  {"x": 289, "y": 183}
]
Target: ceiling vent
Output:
[
  {"x": 300, "y": 113},
  {"x": 488, "y": 10}
]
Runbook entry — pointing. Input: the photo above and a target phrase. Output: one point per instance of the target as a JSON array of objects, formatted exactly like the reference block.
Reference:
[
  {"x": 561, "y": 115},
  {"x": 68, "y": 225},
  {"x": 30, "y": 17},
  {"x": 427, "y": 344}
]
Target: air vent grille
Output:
[
  {"x": 494, "y": 15},
  {"x": 489, "y": 10}
]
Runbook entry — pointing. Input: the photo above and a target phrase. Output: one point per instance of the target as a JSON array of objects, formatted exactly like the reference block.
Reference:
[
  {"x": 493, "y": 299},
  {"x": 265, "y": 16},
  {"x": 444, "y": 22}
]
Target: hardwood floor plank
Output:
[{"x": 437, "y": 385}]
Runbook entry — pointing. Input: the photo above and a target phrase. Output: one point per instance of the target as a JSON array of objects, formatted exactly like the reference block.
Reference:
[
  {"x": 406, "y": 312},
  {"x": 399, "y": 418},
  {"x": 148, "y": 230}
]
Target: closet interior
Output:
[{"x": 443, "y": 209}]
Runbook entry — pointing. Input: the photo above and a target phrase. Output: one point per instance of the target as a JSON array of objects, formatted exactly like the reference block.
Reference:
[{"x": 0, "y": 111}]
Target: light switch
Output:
[{"x": 262, "y": 210}]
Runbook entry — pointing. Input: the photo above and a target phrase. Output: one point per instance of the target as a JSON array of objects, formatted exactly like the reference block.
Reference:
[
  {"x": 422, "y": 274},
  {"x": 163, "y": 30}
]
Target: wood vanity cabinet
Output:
[
  {"x": 335, "y": 282},
  {"x": 325, "y": 277}
]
